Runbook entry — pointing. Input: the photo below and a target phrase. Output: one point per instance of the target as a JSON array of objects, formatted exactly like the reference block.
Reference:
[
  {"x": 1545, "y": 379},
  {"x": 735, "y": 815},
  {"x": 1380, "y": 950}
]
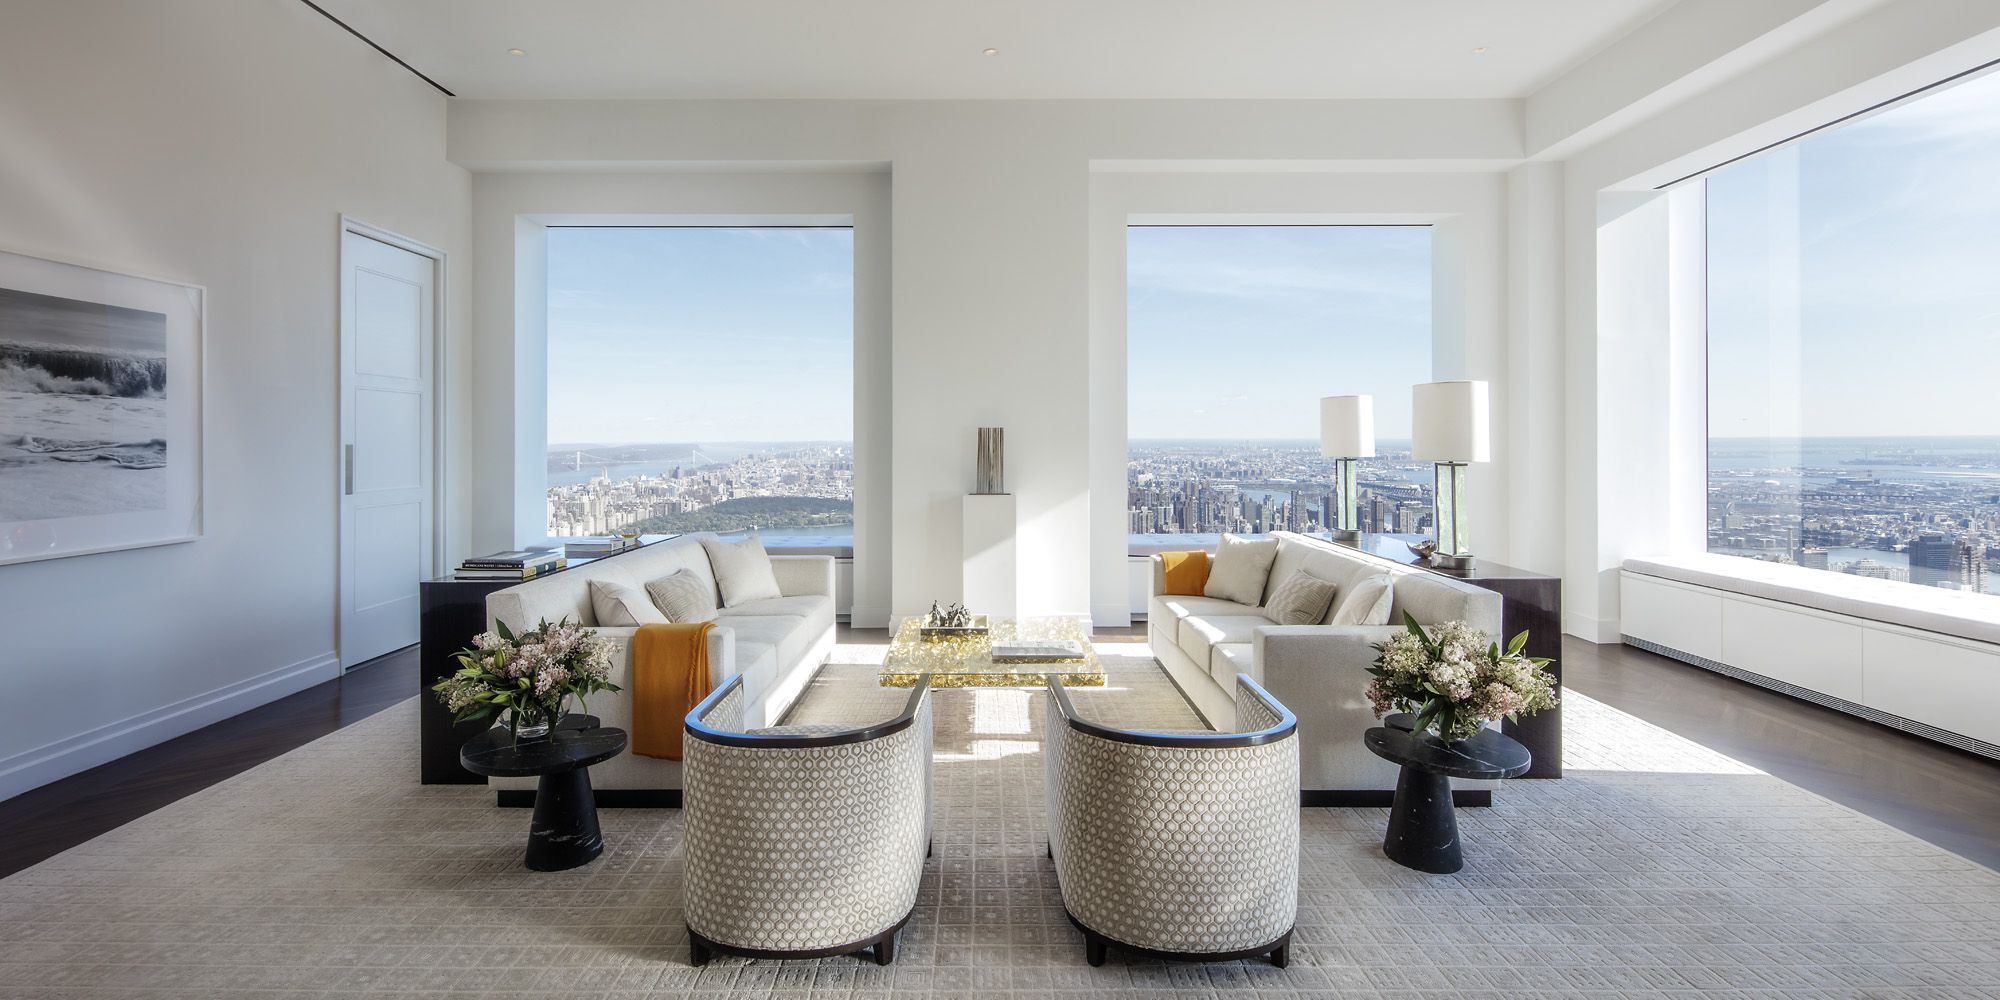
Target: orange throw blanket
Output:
[
  {"x": 669, "y": 678},
  {"x": 1187, "y": 572}
]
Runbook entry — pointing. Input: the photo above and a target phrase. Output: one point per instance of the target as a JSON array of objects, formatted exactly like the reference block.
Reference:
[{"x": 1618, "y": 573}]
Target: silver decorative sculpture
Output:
[{"x": 992, "y": 476}]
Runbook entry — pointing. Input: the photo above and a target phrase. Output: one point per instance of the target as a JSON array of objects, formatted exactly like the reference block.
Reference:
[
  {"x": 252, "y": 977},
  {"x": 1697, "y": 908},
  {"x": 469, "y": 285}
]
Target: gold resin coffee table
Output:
[{"x": 967, "y": 661}]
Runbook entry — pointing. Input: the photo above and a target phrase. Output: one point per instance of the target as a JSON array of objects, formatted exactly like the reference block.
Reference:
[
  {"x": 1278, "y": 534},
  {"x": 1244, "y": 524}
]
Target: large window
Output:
[
  {"x": 701, "y": 379},
  {"x": 1853, "y": 341},
  {"x": 1234, "y": 334}
]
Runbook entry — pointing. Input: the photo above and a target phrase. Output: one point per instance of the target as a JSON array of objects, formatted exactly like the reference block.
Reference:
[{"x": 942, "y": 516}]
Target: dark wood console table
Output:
[
  {"x": 1529, "y": 601},
  {"x": 453, "y": 612}
]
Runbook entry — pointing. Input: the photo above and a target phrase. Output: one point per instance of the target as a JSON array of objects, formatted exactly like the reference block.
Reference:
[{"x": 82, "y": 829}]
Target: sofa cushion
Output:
[
  {"x": 620, "y": 605},
  {"x": 815, "y": 611},
  {"x": 683, "y": 597},
  {"x": 789, "y": 635},
  {"x": 1242, "y": 567},
  {"x": 1165, "y": 611},
  {"x": 742, "y": 570},
  {"x": 1232, "y": 658},
  {"x": 1200, "y": 633},
  {"x": 1364, "y": 602},
  {"x": 801, "y": 606},
  {"x": 1301, "y": 600}
]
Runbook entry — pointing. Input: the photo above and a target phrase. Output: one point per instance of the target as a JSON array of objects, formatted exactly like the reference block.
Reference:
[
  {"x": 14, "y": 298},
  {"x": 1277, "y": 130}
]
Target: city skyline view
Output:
[{"x": 1850, "y": 276}]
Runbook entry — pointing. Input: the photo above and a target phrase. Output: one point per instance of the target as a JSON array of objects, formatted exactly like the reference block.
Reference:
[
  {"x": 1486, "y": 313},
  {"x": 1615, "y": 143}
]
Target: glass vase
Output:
[{"x": 534, "y": 720}]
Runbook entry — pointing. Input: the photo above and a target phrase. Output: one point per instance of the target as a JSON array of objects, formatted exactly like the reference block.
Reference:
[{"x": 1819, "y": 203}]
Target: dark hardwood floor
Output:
[
  {"x": 46, "y": 821},
  {"x": 1943, "y": 795},
  {"x": 1939, "y": 793}
]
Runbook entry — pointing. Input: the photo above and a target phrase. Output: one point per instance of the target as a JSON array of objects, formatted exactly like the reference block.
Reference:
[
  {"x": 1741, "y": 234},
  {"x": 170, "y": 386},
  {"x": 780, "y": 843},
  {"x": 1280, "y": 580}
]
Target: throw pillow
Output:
[
  {"x": 1301, "y": 600},
  {"x": 1186, "y": 572},
  {"x": 617, "y": 605},
  {"x": 742, "y": 569},
  {"x": 1242, "y": 567},
  {"x": 1365, "y": 601},
  {"x": 684, "y": 597}
]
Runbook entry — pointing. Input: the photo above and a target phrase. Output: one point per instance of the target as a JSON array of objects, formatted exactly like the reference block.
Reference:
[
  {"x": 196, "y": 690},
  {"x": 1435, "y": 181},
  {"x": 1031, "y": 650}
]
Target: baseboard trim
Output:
[
  {"x": 36, "y": 767},
  {"x": 1320, "y": 798},
  {"x": 607, "y": 798},
  {"x": 1822, "y": 699},
  {"x": 1597, "y": 630}
]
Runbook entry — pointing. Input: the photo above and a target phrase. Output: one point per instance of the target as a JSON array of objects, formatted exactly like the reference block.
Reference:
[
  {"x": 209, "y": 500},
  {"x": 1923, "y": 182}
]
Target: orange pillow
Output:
[{"x": 1187, "y": 572}]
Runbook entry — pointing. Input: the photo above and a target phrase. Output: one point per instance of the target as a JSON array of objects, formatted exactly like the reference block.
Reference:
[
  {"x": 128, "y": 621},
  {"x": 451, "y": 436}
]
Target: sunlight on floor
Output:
[
  {"x": 1597, "y": 737},
  {"x": 1001, "y": 711}
]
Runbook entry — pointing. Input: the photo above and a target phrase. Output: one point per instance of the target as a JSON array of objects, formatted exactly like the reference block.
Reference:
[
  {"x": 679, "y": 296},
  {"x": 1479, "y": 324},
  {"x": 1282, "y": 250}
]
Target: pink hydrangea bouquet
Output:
[
  {"x": 1456, "y": 680},
  {"x": 531, "y": 676}
]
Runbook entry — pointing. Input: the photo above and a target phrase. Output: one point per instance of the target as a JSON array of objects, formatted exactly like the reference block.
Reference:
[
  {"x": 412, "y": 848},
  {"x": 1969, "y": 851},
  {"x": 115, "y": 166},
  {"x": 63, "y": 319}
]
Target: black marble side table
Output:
[
  {"x": 563, "y": 833},
  {"x": 1423, "y": 826}
]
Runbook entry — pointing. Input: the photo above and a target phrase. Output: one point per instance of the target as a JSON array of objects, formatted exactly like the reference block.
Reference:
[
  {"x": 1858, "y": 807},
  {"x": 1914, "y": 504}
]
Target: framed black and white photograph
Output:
[{"x": 100, "y": 410}]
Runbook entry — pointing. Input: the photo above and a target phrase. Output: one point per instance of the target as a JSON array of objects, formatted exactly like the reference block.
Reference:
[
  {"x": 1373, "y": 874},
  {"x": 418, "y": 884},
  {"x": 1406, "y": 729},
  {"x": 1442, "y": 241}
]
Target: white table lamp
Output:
[
  {"x": 1450, "y": 426},
  {"x": 1346, "y": 432}
]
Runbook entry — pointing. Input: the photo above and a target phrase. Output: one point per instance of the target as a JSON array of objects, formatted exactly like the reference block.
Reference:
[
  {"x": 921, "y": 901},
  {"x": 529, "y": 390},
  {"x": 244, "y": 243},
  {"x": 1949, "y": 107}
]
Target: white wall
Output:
[
  {"x": 510, "y": 437},
  {"x": 213, "y": 142},
  {"x": 991, "y": 267}
]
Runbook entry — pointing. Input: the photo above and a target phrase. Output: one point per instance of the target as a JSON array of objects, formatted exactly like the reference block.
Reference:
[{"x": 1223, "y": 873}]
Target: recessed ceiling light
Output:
[
  {"x": 989, "y": 52},
  {"x": 1478, "y": 50},
  {"x": 517, "y": 52}
]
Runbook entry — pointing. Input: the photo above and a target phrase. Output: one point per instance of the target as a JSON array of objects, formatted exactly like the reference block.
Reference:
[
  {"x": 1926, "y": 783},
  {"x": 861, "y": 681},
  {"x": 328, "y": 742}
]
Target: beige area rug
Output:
[{"x": 1656, "y": 869}]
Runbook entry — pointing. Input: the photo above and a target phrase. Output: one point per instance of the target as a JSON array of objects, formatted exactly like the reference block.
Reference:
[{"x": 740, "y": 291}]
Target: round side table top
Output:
[
  {"x": 577, "y": 741},
  {"x": 1487, "y": 755}
]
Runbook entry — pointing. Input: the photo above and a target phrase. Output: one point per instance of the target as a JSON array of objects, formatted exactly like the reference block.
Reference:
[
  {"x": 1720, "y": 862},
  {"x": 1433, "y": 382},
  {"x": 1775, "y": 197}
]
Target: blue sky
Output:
[
  {"x": 701, "y": 335},
  {"x": 1236, "y": 332},
  {"x": 1895, "y": 221}
]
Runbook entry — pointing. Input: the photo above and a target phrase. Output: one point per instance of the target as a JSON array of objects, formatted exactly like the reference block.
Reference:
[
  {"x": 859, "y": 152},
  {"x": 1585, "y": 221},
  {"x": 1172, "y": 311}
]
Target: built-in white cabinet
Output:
[{"x": 1939, "y": 685}]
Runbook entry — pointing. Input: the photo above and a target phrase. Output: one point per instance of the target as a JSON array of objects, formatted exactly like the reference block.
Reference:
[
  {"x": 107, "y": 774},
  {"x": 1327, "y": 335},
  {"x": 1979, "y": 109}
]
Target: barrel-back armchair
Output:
[
  {"x": 803, "y": 841},
  {"x": 1177, "y": 845}
]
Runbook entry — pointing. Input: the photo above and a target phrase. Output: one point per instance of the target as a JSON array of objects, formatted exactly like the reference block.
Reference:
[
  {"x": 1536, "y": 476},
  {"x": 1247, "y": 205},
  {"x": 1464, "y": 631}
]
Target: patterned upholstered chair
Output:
[
  {"x": 1177, "y": 845},
  {"x": 803, "y": 841}
]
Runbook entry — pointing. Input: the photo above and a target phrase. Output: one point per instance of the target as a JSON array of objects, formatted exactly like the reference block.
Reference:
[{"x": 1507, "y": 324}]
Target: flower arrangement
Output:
[
  {"x": 1457, "y": 681},
  {"x": 530, "y": 676}
]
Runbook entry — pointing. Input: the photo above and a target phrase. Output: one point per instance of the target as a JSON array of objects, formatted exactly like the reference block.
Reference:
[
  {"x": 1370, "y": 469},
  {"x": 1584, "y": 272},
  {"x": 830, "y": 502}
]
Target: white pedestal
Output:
[{"x": 989, "y": 581}]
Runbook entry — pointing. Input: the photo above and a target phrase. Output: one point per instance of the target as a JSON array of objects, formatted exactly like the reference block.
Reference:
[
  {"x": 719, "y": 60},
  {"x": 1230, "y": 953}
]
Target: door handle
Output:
[{"x": 347, "y": 475}]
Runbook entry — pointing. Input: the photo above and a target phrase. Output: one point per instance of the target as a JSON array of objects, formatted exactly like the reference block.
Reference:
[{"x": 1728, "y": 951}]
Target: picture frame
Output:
[{"x": 102, "y": 386}]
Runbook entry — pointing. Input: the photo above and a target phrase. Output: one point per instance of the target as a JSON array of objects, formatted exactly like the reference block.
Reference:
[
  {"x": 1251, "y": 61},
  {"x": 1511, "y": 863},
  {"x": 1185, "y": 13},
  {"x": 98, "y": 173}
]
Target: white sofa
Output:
[
  {"x": 775, "y": 644},
  {"x": 1319, "y": 671}
]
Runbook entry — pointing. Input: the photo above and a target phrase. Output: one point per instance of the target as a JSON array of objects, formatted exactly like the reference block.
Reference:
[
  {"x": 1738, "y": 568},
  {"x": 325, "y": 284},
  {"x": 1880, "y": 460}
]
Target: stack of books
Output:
[
  {"x": 516, "y": 564},
  {"x": 599, "y": 546}
]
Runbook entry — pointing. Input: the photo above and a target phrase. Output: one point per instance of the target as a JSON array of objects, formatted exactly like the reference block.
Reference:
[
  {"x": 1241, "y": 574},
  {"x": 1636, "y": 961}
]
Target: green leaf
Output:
[
  {"x": 501, "y": 627},
  {"x": 1520, "y": 642}
]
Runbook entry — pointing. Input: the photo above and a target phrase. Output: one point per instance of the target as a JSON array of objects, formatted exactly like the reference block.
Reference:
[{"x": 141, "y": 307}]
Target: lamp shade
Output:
[
  {"x": 1347, "y": 426},
  {"x": 1449, "y": 423}
]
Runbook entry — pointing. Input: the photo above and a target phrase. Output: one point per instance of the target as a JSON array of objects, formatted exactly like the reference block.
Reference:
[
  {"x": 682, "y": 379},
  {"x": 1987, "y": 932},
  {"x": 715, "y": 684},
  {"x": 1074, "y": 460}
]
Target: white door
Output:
[{"x": 386, "y": 318}]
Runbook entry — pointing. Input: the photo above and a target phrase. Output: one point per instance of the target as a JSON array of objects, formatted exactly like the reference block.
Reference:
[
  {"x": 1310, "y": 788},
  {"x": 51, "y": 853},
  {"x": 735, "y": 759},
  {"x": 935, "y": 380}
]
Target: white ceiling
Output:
[{"x": 931, "y": 49}]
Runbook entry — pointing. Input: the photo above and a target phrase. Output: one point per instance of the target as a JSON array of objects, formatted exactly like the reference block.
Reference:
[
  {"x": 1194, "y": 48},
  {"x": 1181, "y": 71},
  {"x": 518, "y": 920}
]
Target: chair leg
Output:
[
  {"x": 698, "y": 950},
  {"x": 885, "y": 949},
  {"x": 1052, "y": 850},
  {"x": 1281, "y": 956},
  {"x": 1093, "y": 949}
]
